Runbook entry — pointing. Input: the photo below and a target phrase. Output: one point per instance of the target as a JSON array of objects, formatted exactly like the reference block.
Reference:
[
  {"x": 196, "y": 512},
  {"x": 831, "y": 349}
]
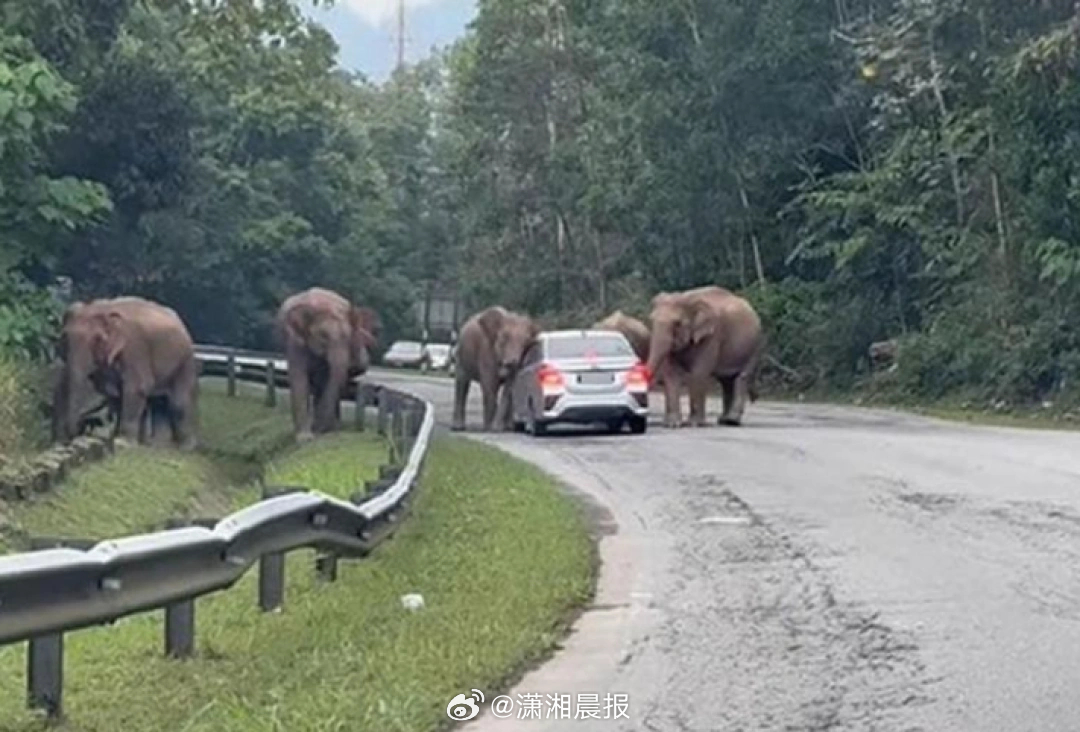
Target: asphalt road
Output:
[{"x": 820, "y": 568}]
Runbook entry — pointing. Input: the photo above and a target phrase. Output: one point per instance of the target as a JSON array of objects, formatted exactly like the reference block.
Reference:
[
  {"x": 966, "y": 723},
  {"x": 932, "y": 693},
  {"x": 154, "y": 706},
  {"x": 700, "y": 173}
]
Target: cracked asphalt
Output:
[{"x": 819, "y": 568}]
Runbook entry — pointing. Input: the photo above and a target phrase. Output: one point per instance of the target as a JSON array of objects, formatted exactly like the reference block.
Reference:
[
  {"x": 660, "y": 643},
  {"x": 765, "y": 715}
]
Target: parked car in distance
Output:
[
  {"x": 581, "y": 377},
  {"x": 404, "y": 354},
  {"x": 437, "y": 356}
]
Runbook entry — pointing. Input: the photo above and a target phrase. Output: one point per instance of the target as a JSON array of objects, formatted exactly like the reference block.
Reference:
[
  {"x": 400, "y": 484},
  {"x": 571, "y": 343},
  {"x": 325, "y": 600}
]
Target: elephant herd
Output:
[
  {"x": 697, "y": 337},
  {"x": 136, "y": 358}
]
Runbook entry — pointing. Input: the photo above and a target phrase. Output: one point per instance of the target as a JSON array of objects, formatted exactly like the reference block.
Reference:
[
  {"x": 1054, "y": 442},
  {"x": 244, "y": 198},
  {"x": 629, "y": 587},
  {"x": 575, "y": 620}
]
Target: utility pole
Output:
[{"x": 401, "y": 35}]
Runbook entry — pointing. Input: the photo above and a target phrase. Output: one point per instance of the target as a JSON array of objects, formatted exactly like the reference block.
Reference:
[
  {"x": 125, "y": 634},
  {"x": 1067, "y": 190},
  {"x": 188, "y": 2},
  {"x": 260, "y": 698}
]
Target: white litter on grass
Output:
[
  {"x": 724, "y": 520},
  {"x": 412, "y": 601}
]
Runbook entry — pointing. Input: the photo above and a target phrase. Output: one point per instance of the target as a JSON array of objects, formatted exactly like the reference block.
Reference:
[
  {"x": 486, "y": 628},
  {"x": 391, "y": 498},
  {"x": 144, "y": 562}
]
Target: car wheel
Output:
[
  {"x": 614, "y": 426},
  {"x": 638, "y": 425},
  {"x": 535, "y": 427}
]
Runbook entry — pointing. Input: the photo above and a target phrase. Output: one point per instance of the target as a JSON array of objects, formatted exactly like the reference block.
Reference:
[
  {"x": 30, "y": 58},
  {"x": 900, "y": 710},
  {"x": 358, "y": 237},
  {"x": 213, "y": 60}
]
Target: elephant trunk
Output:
[
  {"x": 69, "y": 395},
  {"x": 660, "y": 343}
]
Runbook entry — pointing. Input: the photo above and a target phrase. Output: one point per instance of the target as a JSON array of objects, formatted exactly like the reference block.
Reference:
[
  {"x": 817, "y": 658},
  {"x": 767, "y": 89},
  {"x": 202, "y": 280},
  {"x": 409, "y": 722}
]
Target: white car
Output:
[
  {"x": 437, "y": 356},
  {"x": 582, "y": 377},
  {"x": 404, "y": 354}
]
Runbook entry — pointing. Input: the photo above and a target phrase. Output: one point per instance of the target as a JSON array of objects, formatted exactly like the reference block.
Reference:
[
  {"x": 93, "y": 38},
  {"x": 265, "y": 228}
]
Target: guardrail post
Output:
[
  {"x": 45, "y": 674},
  {"x": 230, "y": 372},
  {"x": 396, "y": 432},
  {"x": 180, "y": 616},
  {"x": 180, "y": 629},
  {"x": 361, "y": 406},
  {"x": 326, "y": 566},
  {"x": 381, "y": 425},
  {"x": 271, "y": 384},
  {"x": 272, "y": 566}
]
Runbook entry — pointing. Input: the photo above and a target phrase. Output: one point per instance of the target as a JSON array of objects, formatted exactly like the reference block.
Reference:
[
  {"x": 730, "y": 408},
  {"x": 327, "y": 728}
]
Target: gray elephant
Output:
[
  {"x": 128, "y": 351},
  {"x": 490, "y": 348},
  {"x": 633, "y": 329},
  {"x": 327, "y": 342},
  {"x": 704, "y": 334}
]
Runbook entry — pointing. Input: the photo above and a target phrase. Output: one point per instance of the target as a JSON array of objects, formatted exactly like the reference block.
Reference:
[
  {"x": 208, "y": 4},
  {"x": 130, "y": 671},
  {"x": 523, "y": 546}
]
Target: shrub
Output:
[{"x": 23, "y": 427}]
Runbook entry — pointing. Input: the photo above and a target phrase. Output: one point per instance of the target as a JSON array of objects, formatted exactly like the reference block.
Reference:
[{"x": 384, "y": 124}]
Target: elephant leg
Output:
[
  {"x": 699, "y": 389},
  {"x": 144, "y": 427},
  {"x": 506, "y": 396},
  {"x": 329, "y": 397},
  {"x": 300, "y": 398},
  {"x": 672, "y": 411},
  {"x": 461, "y": 395},
  {"x": 132, "y": 406},
  {"x": 489, "y": 389},
  {"x": 741, "y": 388},
  {"x": 158, "y": 420},
  {"x": 727, "y": 383}
]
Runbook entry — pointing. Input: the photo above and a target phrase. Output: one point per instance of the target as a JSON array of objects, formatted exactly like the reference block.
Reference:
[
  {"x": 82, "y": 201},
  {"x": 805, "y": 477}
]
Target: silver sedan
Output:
[{"x": 581, "y": 377}]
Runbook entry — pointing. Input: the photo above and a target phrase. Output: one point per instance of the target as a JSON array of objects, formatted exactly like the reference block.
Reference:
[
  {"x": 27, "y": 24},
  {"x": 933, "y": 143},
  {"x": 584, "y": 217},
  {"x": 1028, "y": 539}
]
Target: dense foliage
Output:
[
  {"x": 863, "y": 169},
  {"x": 207, "y": 154}
]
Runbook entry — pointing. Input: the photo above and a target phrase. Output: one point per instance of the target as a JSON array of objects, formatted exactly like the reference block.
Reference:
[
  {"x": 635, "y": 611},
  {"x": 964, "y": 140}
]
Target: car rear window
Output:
[{"x": 588, "y": 346}]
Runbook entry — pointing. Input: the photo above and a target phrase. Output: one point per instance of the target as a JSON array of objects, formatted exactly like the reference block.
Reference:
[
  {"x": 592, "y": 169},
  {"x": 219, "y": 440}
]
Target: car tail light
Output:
[
  {"x": 550, "y": 378},
  {"x": 638, "y": 377}
]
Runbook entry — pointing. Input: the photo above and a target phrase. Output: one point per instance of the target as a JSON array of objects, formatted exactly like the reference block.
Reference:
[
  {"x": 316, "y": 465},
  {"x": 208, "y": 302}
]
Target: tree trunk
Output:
[
  {"x": 954, "y": 161},
  {"x": 750, "y": 229}
]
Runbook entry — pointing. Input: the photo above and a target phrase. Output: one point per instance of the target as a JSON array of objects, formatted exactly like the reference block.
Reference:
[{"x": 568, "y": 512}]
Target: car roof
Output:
[{"x": 580, "y": 333}]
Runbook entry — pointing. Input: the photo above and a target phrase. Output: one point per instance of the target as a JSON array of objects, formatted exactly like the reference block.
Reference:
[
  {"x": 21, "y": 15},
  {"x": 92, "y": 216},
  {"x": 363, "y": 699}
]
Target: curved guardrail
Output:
[{"x": 48, "y": 592}]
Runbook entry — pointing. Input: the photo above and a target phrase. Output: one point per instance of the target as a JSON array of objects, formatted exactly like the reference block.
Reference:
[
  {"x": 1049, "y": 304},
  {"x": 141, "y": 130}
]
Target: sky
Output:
[{"x": 366, "y": 30}]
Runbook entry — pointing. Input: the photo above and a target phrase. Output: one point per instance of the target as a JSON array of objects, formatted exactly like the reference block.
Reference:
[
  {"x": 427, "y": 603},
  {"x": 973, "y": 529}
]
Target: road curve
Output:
[{"x": 820, "y": 568}]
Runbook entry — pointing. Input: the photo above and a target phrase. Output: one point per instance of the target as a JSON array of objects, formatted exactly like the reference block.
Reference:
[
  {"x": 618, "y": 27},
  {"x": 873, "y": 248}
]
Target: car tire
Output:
[
  {"x": 638, "y": 425},
  {"x": 615, "y": 426},
  {"x": 535, "y": 427}
]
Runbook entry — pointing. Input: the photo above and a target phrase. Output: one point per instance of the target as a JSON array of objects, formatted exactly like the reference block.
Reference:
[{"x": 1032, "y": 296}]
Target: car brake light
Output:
[
  {"x": 550, "y": 377},
  {"x": 638, "y": 376}
]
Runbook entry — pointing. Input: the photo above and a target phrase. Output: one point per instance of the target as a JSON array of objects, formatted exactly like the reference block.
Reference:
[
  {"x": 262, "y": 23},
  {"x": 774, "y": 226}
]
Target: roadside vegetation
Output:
[
  {"x": 863, "y": 171},
  {"x": 501, "y": 557}
]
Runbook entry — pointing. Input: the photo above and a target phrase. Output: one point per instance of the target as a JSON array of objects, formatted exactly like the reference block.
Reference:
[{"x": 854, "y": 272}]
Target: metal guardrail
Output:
[{"x": 58, "y": 588}]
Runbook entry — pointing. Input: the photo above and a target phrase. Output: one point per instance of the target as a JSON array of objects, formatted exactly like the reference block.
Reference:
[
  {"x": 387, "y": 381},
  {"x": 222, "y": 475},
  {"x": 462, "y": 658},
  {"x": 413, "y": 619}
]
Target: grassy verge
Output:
[
  {"x": 500, "y": 556},
  {"x": 140, "y": 487}
]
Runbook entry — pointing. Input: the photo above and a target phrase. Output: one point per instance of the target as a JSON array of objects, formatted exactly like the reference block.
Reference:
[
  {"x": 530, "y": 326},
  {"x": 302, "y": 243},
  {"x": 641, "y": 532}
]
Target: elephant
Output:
[
  {"x": 327, "y": 342},
  {"x": 138, "y": 356},
  {"x": 635, "y": 331},
  {"x": 706, "y": 333},
  {"x": 490, "y": 348}
]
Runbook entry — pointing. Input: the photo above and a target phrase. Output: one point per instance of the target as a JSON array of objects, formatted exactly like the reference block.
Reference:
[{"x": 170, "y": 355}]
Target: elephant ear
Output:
[
  {"x": 298, "y": 321},
  {"x": 110, "y": 339},
  {"x": 368, "y": 321},
  {"x": 491, "y": 322},
  {"x": 702, "y": 322}
]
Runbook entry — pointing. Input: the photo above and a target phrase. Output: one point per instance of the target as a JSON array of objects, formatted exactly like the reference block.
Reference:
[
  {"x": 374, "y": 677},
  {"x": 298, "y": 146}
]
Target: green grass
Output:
[
  {"x": 500, "y": 555},
  {"x": 242, "y": 428},
  {"x": 139, "y": 488},
  {"x": 130, "y": 493}
]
